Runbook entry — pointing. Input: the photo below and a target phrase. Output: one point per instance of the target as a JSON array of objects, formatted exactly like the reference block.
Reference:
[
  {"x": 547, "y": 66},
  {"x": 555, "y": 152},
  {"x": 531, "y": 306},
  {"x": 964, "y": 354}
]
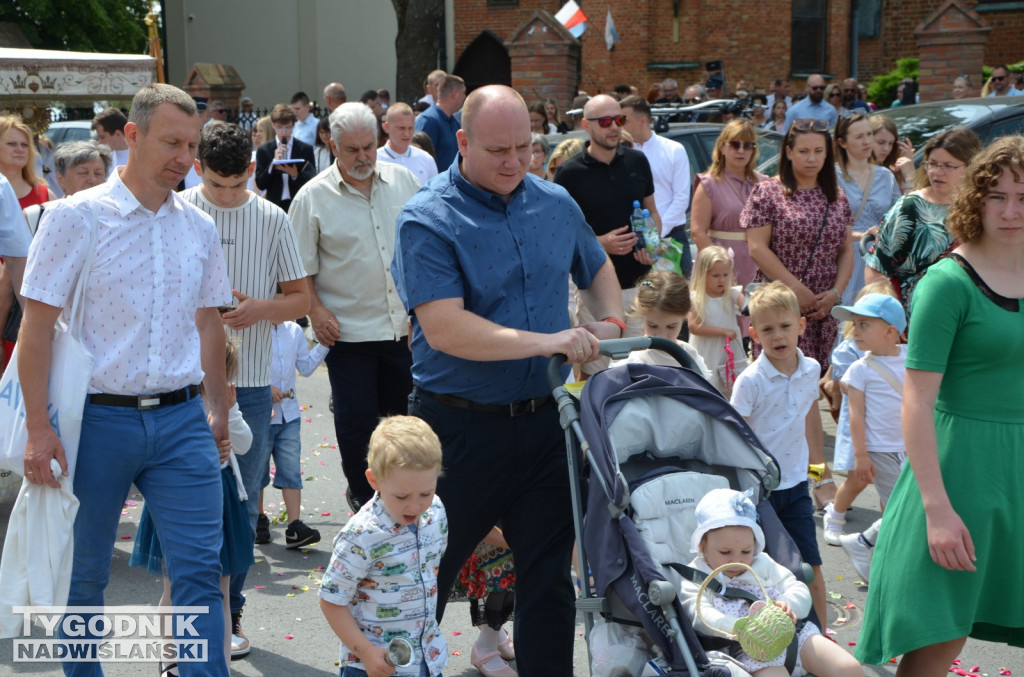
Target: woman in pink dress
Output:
[
  {"x": 798, "y": 232},
  {"x": 721, "y": 193}
]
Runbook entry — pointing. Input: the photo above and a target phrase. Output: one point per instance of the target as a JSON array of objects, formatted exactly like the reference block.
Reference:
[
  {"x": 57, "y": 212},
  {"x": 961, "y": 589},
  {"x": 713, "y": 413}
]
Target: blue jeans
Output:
[
  {"x": 286, "y": 449},
  {"x": 255, "y": 405},
  {"x": 171, "y": 457}
]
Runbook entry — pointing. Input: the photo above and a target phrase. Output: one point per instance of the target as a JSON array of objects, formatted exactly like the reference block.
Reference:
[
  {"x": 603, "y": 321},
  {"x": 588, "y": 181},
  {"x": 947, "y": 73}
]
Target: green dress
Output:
[{"x": 962, "y": 329}]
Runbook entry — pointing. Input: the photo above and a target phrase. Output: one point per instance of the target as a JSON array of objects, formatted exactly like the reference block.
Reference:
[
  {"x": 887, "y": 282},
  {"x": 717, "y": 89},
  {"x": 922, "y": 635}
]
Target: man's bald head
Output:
[
  {"x": 334, "y": 95},
  {"x": 602, "y": 104},
  {"x": 492, "y": 98}
]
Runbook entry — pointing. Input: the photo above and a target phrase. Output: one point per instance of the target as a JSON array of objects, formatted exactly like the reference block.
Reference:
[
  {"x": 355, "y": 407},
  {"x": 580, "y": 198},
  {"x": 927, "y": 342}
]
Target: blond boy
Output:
[
  {"x": 777, "y": 394},
  {"x": 382, "y": 579}
]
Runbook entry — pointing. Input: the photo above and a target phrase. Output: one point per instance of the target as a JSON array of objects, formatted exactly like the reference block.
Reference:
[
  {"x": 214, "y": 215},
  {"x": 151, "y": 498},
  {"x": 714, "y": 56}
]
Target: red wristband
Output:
[{"x": 617, "y": 322}]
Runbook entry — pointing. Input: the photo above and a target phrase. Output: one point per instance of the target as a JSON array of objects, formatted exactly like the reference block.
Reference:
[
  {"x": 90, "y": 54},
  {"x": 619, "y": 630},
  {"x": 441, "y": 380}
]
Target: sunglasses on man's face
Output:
[
  {"x": 998, "y": 78},
  {"x": 605, "y": 121},
  {"x": 807, "y": 124},
  {"x": 817, "y": 88},
  {"x": 744, "y": 145}
]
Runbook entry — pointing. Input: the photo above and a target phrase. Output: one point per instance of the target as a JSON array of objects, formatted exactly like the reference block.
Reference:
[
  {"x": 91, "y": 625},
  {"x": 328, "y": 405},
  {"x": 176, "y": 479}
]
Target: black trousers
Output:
[
  {"x": 511, "y": 470},
  {"x": 369, "y": 380}
]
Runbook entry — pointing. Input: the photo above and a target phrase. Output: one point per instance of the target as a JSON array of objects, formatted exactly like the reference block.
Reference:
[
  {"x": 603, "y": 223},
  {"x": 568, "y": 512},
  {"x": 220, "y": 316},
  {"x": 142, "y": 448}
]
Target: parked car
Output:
[
  {"x": 989, "y": 118},
  {"x": 71, "y": 130}
]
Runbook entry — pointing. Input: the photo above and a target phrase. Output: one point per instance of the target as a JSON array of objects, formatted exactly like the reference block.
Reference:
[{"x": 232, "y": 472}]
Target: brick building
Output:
[{"x": 757, "y": 41}]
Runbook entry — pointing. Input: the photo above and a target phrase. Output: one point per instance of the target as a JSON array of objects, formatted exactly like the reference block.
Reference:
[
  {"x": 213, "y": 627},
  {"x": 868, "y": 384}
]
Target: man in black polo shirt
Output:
[{"x": 605, "y": 180}]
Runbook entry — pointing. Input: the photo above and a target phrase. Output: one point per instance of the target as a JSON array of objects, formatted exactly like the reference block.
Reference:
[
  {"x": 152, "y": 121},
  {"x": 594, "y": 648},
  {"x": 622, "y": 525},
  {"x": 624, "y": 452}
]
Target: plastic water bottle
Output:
[
  {"x": 638, "y": 225},
  {"x": 652, "y": 237}
]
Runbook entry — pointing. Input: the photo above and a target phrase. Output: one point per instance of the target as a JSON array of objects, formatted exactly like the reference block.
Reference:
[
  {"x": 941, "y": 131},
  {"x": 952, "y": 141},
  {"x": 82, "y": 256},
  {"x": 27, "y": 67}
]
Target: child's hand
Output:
[
  {"x": 785, "y": 607},
  {"x": 375, "y": 660},
  {"x": 276, "y": 394},
  {"x": 729, "y": 334},
  {"x": 224, "y": 450},
  {"x": 864, "y": 469}
]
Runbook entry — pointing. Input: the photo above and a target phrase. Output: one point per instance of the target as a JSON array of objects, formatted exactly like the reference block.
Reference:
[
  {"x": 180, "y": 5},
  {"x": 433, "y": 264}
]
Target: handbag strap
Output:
[
  {"x": 810, "y": 257},
  {"x": 864, "y": 196},
  {"x": 75, "y": 316},
  {"x": 870, "y": 360}
]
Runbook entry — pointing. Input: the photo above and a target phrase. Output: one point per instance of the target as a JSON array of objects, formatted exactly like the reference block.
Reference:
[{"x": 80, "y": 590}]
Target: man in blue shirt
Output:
[
  {"x": 440, "y": 121},
  {"x": 851, "y": 98},
  {"x": 813, "y": 105},
  {"x": 482, "y": 258},
  {"x": 1002, "y": 85}
]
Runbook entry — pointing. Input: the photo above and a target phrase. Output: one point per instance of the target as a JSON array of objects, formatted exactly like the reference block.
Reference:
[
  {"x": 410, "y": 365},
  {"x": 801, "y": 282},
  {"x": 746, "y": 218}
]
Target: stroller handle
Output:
[{"x": 620, "y": 348}]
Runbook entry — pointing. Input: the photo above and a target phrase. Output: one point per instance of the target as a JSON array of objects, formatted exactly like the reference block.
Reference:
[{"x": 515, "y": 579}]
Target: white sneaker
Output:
[
  {"x": 239, "y": 647},
  {"x": 833, "y": 524},
  {"x": 859, "y": 553}
]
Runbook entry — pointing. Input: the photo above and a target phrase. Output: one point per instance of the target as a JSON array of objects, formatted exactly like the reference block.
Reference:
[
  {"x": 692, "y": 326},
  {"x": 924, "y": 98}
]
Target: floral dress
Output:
[
  {"x": 796, "y": 221},
  {"x": 913, "y": 236},
  {"x": 489, "y": 576}
]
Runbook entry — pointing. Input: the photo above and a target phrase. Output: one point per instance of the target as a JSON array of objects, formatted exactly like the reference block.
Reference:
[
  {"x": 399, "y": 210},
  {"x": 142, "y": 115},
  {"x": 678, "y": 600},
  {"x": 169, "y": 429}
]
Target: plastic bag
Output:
[{"x": 617, "y": 650}]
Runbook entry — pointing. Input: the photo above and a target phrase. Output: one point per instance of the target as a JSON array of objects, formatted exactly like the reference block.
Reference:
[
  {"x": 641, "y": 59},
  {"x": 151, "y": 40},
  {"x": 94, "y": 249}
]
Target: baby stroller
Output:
[{"x": 656, "y": 439}]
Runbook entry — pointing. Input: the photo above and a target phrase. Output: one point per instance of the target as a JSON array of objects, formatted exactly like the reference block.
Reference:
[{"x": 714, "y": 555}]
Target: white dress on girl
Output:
[
  {"x": 721, "y": 613},
  {"x": 722, "y": 314}
]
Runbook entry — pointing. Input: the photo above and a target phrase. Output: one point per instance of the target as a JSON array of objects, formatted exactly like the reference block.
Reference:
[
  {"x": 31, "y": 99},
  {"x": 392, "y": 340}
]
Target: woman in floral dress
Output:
[{"x": 798, "y": 232}]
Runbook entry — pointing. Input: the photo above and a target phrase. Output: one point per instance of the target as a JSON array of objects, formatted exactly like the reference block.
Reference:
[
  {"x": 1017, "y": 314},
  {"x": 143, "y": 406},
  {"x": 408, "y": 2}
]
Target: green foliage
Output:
[
  {"x": 882, "y": 88},
  {"x": 114, "y": 26}
]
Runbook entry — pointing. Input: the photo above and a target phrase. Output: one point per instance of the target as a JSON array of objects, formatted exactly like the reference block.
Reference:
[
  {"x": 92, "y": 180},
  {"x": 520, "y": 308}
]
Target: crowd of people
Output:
[{"x": 442, "y": 252}]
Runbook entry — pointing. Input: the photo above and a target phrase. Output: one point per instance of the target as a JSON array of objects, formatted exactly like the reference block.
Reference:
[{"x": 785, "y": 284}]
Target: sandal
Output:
[{"x": 823, "y": 492}]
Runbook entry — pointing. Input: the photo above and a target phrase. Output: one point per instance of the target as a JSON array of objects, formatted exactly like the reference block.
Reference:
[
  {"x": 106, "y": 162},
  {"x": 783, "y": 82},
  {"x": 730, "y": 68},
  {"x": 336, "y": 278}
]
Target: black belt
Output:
[
  {"x": 145, "y": 401},
  {"x": 511, "y": 410}
]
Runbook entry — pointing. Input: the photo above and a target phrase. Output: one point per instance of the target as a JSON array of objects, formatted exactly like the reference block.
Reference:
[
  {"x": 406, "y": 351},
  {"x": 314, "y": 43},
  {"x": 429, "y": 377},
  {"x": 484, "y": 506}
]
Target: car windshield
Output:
[{"x": 921, "y": 123}]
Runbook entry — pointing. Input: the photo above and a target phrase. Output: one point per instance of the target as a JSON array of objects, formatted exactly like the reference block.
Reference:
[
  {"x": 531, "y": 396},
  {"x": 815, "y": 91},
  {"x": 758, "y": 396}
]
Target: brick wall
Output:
[{"x": 900, "y": 18}]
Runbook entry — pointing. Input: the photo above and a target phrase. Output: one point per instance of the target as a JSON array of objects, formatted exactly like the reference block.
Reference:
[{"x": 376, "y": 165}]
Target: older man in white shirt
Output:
[
  {"x": 156, "y": 277},
  {"x": 670, "y": 166},
  {"x": 344, "y": 220}
]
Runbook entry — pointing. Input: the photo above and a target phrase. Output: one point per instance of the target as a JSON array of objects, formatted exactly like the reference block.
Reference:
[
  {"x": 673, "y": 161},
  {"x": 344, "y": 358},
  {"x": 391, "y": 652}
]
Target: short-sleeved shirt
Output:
[
  {"x": 776, "y": 406},
  {"x": 508, "y": 262},
  {"x": 386, "y": 574},
  {"x": 347, "y": 241},
  {"x": 149, "y": 274},
  {"x": 805, "y": 108},
  {"x": 606, "y": 192},
  {"x": 260, "y": 251},
  {"x": 14, "y": 233},
  {"x": 882, "y": 404},
  {"x": 441, "y": 129}
]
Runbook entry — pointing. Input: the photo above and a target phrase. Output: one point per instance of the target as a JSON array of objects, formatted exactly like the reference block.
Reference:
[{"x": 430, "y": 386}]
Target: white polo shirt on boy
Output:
[{"x": 776, "y": 406}]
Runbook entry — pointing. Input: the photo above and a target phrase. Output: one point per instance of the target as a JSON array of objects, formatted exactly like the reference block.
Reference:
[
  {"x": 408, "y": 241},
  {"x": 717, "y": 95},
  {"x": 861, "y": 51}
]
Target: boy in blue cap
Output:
[{"x": 873, "y": 386}]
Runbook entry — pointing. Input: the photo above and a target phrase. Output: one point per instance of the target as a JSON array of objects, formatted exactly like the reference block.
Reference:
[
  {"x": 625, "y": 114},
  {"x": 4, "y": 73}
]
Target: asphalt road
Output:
[{"x": 287, "y": 630}]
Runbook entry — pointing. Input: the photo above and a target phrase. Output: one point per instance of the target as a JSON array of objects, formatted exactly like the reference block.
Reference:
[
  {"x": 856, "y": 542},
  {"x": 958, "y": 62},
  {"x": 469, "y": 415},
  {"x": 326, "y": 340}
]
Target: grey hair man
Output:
[
  {"x": 669, "y": 92},
  {"x": 344, "y": 220}
]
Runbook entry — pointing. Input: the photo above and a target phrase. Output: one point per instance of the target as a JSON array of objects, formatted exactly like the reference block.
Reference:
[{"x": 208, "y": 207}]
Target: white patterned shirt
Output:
[
  {"x": 776, "y": 406},
  {"x": 260, "y": 251},
  {"x": 386, "y": 574},
  {"x": 149, "y": 274},
  {"x": 290, "y": 353}
]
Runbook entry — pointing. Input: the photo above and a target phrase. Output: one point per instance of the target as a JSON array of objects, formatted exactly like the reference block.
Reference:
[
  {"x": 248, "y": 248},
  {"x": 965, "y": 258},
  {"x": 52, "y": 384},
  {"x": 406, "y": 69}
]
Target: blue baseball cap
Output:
[{"x": 881, "y": 306}]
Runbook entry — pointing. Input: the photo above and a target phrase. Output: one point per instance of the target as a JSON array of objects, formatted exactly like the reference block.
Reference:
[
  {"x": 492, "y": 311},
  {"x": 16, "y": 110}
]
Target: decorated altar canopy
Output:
[{"x": 33, "y": 79}]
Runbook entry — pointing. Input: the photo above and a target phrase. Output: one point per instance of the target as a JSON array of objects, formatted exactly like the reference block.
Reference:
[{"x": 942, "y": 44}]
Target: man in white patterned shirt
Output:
[
  {"x": 155, "y": 279},
  {"x": 344, "y": 220},
  {"x": 261, "y": 253}
]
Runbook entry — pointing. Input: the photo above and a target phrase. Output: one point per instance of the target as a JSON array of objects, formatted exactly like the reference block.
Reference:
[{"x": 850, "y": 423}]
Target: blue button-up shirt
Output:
[
  {"x": 441, "y": 128},
  {"x": 510, "y": 263},
  {"x": 805, "y": 108}
]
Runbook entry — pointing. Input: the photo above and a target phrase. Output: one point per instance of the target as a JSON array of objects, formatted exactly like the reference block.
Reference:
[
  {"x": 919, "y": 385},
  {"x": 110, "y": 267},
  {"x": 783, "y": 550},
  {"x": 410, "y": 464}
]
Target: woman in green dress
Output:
[
  {"x": 913, "y": 234},
  {"x": 947, "y": 564}
]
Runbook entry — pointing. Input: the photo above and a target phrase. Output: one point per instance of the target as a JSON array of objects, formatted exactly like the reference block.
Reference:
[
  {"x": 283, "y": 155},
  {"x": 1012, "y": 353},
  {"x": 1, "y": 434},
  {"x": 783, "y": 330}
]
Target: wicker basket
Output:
[{"x": 766, "y": 632}]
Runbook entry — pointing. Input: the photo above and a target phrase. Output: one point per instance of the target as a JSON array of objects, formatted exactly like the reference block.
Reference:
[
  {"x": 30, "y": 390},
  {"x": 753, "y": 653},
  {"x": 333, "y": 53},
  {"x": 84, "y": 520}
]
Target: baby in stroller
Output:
[{"x": 727, "y": 532}]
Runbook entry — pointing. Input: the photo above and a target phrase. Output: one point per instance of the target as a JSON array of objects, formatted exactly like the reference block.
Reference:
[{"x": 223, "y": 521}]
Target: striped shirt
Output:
[{"x": 260, "y": 251}]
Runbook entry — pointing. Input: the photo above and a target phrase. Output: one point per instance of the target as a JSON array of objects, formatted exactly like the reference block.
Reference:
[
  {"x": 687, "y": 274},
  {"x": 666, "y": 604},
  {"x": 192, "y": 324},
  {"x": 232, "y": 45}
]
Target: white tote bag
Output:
[{"x": 70, "y": 369}]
